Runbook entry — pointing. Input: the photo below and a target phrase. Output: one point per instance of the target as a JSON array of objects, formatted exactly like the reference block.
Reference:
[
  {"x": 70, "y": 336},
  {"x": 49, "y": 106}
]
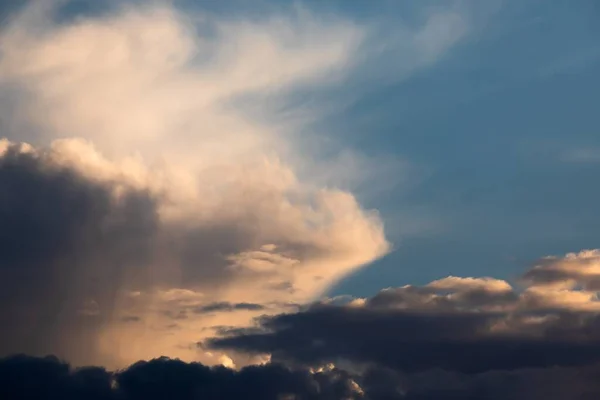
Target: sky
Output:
[{"x": 346, "y": 195}]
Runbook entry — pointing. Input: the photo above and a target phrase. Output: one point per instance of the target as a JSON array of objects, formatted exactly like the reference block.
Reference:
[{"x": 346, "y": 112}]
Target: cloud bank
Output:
[
  {"x": 152, "y": 196},
  {"x": 147, "y": 203},
  {"x": 466, "y": 325}
]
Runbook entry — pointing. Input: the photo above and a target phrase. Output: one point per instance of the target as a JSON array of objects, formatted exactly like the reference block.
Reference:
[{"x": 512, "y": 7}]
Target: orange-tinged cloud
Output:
[{"x": 137, "y": 102}]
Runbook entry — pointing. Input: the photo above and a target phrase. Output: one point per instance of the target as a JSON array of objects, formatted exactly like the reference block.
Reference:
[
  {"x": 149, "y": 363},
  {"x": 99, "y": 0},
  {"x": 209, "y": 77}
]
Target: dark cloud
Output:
[
  {"x": 24, "y": 377},
  {"x": 226, "y": 306},
  {"x": 66, "y": 247},
  {"x": 466, "y": 325},
  {"x": 413, "y": 340},
  {"x": 557, "y": 383}
]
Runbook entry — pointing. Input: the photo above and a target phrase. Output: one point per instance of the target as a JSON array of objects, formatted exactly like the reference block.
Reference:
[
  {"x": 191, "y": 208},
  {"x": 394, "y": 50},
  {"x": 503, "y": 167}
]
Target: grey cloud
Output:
[
  {"x": 226, "y": 306},
  {"x": 413, "y": 297},
  {"x": 83, "y": 245},
  {"x": 465, "y": 325},
  {"x": 41, "y": 378},
  {"x": 413, "y": 341},
  {"x": 558, "y": 383},
  {"x": 163, "y": 378},
  {"x": 181, "y": 314},
  {"x": 283, "y": 286},
  {"x": 66, "y": 245}
]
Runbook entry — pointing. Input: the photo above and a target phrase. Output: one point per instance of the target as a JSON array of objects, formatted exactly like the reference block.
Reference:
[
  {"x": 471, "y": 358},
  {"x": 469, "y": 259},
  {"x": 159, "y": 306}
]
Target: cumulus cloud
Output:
[
  {"x": 575, "y": 269},
  {"x": 143, "y": 207},
  {"x": 415, "y": 329},
  {"x": 148, "y": 207},
  {"x": 37, "y": 378},
  {"x": 96, "y": 239}
]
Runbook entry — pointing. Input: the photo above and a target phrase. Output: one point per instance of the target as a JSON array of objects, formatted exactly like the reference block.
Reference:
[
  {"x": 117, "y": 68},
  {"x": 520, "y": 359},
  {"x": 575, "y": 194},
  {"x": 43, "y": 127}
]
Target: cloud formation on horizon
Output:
[{"x": 466, "y": 325}]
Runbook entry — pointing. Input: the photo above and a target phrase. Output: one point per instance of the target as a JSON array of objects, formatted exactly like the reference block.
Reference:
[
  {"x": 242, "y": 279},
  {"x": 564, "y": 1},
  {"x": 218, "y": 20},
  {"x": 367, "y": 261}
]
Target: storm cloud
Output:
[
  {"x": 68, "y": 244},
  {"x": 145, "y": 193},
  {"x": 86, "y": 247}
]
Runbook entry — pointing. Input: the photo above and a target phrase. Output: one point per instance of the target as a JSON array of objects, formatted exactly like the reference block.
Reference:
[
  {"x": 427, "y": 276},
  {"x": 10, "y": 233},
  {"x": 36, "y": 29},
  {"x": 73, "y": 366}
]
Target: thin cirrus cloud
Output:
[{"x": 148, "y": 208}]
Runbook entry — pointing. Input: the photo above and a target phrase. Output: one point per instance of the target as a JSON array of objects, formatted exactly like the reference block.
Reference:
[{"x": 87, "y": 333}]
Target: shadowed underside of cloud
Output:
[
  {"x": 41, "y": 378},
  {"x": 468, "y": 325},
  {"x": 87, "y": 248}
]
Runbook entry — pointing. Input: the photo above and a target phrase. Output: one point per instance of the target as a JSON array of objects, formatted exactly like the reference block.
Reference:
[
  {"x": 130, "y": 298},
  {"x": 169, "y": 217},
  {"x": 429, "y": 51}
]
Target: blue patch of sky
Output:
[{"x": 492, "y": 119}]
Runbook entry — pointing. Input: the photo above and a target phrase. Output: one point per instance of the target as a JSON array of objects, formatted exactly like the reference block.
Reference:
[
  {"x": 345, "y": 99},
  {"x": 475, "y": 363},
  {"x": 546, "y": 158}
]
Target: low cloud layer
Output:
[
  {"x": 164, "y": 378},
  {"x": 39, "y": 378},
  {"x": 466, "y": 325}
]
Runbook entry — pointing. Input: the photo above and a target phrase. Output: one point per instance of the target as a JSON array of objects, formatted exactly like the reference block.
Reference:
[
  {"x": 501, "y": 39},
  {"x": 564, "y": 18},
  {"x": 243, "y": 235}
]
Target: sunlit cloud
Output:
[{"x": 191, "y": 214}]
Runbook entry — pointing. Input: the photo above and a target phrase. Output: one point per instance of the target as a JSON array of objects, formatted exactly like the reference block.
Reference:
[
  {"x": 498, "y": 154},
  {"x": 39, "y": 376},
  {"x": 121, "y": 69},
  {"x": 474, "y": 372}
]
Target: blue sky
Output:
[{"x": 507, "y": 129}]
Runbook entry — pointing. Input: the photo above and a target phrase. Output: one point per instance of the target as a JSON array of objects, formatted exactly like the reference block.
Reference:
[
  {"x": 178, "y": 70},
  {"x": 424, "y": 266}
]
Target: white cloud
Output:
[{"x": 455, "y": 283}]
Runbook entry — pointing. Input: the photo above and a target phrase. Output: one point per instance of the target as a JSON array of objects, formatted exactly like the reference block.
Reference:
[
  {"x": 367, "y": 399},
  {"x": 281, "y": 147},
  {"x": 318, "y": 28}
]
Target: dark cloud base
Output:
[
  {"x": 412, "y": 341},
  {"x": 25, "y": 377},
  {"x": 66, "y": 247}
]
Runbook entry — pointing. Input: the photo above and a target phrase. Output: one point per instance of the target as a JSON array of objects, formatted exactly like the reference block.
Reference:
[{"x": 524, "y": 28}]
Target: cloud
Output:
[
  {"x": 68, "y": 243},
  {"x": 147, "y": 194},
  {"x": 143, "y": 79},
  {"x": 92, "y": 243},
  {"x": 145, "y": 206},
  {"x": 575, "y": 269},
  {"x": 414, "y": 329},
  {"x": 37, "y": 378},
  {"x": 224, "y": 306}
]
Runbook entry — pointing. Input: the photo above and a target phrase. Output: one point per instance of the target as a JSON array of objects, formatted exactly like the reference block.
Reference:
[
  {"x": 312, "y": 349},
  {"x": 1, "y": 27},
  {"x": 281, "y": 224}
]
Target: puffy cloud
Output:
[
  {"x": 82, "y": 245},
  {"x": 68, "y": 243},
  {"x": 467, "y": 325},
  {"x": 575, "y": 269}
]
